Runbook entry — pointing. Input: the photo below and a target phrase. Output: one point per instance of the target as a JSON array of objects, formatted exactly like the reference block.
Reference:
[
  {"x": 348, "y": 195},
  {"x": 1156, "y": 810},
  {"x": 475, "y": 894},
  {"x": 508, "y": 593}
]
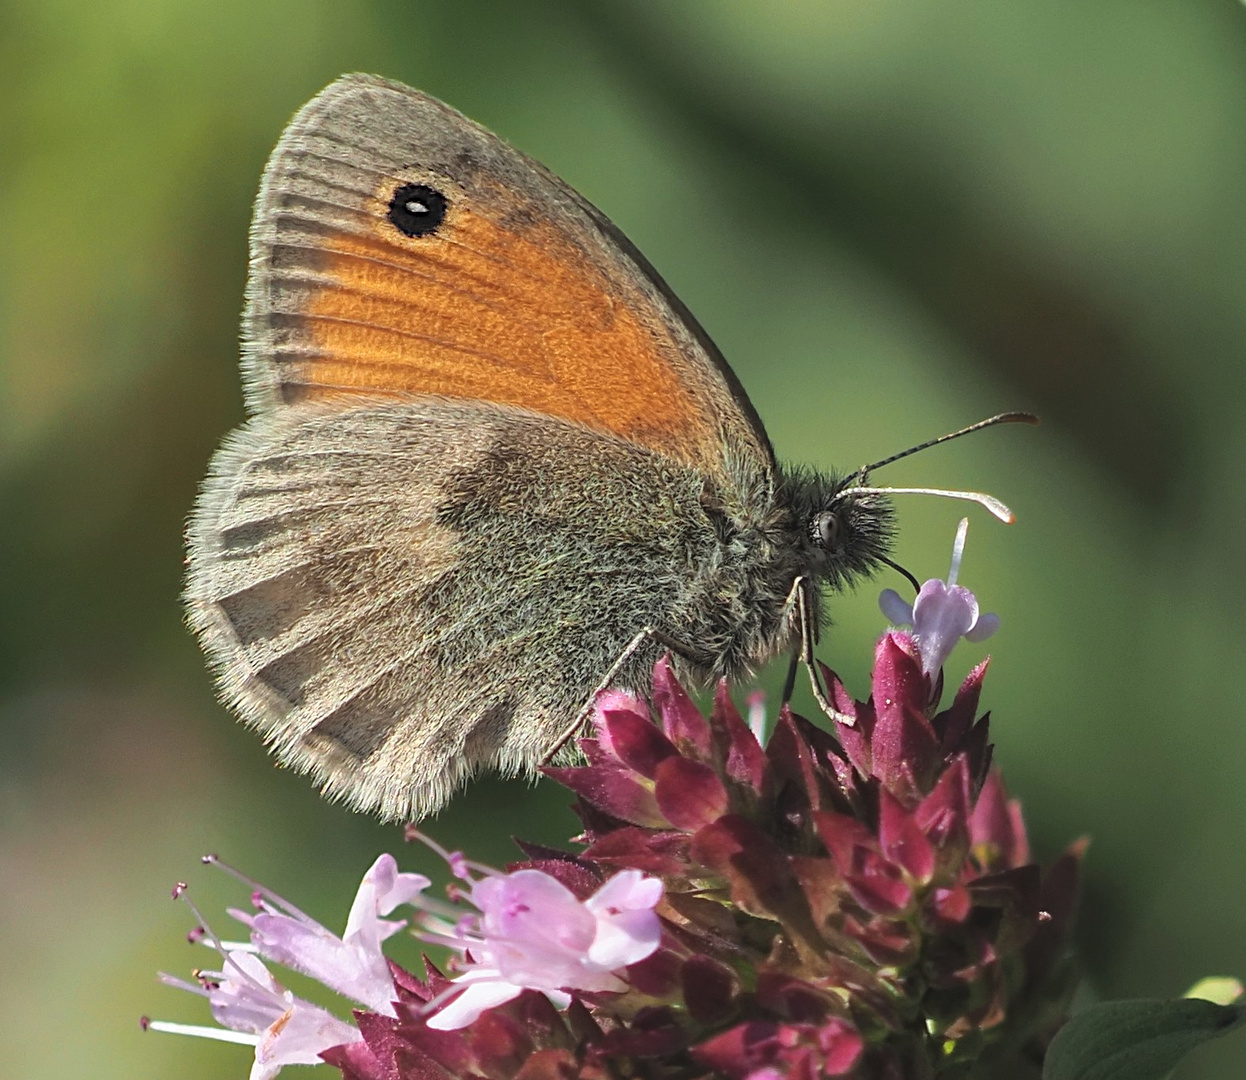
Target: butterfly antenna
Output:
[
  {"x": 1002, "y": 418},
  {"x": 988, "y": 501}
]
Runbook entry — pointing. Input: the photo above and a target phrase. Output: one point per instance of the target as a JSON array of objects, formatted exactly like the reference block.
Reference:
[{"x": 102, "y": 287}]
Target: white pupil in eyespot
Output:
[{"x": 414, "y": 207}]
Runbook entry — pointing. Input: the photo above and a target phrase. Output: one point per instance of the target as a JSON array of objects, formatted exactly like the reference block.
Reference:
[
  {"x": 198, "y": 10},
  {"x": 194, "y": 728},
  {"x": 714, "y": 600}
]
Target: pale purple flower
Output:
[
  {"x": 353, "y": 964},
  {"x": 532, "y": 933},
  {"x": 253, "y": 1008},
  {"x": 942, "y": 614},
  {"x": 529, "y": 931},
  {"x": 256, "y": 1010}
]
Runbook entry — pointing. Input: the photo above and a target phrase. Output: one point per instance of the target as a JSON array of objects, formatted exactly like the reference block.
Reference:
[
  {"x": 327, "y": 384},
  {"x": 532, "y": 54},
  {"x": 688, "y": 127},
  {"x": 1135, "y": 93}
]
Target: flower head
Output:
[
  {"x": 854, "y": 902},
  {"x": 529, "y": 931},
  {"x": 846, "y": 902}
]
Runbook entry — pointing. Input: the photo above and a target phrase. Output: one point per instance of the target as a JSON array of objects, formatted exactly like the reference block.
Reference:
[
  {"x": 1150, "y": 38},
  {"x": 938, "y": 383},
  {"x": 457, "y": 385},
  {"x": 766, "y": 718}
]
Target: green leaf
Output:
[{"x": 1135, "y": 1040}]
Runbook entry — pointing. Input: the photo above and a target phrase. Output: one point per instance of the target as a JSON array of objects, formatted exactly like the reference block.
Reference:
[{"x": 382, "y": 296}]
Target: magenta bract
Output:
[{"x": 858, "y": 902}]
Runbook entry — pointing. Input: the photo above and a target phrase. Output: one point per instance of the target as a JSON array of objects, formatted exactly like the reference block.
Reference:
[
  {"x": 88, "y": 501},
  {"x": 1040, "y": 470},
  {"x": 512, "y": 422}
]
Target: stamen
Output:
[
  {"x": 220, "y": 1034},
  {"x": 237, "y": 946},
  {"x": 259, "y": 889},
  {"x": 181, "y": 984},
  {"x": 988, "y": 501},
  {"x": 203, "y": 930},
  {"x": 222, "y": 947},
  {"x": 451, "y": 940},
  {"x": 958, "y": 550},
  {"x": 437, "y": 913},
  {"x": 459, "y": 865}
]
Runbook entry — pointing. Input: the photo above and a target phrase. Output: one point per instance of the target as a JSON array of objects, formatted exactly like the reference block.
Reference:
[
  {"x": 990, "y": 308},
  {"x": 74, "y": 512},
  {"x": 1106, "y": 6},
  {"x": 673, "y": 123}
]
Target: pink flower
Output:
[
  {"x": 532, "y": 933},
  {"x": 253, "y": 1008},
  {"x": 942, "y": 614},
  {"x": 353, "y": 964},
  {"x": 256, "y": 1010}
]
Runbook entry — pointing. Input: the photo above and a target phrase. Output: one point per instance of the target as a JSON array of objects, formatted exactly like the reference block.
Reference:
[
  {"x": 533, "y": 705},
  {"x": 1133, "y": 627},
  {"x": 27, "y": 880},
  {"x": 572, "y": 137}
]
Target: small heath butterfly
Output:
[{"x": 492, "y": 466}]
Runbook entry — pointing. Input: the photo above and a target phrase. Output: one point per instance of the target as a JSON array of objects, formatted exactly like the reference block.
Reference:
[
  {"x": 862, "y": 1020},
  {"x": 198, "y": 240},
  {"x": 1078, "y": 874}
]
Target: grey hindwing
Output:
[{"x": 401, "y": 595}]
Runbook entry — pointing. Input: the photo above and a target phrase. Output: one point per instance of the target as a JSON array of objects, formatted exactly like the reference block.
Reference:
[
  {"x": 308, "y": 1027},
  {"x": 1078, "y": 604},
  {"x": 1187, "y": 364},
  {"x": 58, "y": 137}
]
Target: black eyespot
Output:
[
  {"x": 417, "y": 209},
  {"x": 826, "y": 531}
]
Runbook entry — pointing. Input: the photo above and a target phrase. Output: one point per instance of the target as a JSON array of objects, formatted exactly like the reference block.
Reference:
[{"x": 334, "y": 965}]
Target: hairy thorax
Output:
[{"x": 741, "y": 608}]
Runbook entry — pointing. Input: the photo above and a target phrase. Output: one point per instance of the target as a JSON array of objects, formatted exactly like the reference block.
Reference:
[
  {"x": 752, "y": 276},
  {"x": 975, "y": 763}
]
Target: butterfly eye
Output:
[
  {"x": 826, "y": 530},
  {"x": 417, "y": 209}
]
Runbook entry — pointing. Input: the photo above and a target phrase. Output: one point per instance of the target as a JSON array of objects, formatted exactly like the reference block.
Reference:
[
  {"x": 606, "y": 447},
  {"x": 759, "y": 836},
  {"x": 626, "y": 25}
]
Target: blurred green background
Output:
[{"x": 893, "y": 217}]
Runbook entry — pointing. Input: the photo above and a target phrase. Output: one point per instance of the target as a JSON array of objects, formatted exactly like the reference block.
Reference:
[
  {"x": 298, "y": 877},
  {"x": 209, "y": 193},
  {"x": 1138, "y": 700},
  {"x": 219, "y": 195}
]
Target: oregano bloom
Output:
[
  {"x": 528, "y": 932},
  {"x": 857, "y": 901},
  {"x": 532, "y": 933}
]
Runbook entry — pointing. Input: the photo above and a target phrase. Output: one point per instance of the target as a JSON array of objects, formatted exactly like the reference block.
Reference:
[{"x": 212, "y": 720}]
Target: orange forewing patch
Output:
[{"x": 511, "y": 315}]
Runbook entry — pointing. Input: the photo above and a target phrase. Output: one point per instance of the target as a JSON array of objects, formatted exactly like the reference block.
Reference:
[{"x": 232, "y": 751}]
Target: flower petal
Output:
[
  {"x": 895, "y": 607},
  {"x": 467, "y": 1006},
  {"x": 357, "y": 970},
  {"x": 628, "y": 929},
  {"x": 299, "y": 1036},
  {"x": 382, "y": 889},
  {"x": 942, "y": 614},
  {"x": 985, "y": 626}
]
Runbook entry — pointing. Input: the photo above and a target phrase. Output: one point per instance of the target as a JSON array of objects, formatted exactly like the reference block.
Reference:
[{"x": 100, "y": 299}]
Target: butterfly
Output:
[{"x": 492, "y": 466}]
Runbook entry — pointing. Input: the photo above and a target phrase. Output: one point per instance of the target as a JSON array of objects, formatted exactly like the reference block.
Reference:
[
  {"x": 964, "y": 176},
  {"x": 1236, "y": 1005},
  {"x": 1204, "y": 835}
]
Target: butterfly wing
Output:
[
  {"x": 482, "y": 439},
  {"x": 398, "y": 248},
  {"x": 380, "y": 607}
]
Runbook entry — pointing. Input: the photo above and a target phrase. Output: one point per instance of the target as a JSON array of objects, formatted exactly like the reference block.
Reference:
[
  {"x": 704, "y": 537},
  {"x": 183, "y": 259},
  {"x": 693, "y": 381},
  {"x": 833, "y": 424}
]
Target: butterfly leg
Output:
[
  {"x": 789, "y": 680},
  {"x": 637, "y": 643},
  {"x": 790, "y": 607},
  {"x": 808, "y": 630}
]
